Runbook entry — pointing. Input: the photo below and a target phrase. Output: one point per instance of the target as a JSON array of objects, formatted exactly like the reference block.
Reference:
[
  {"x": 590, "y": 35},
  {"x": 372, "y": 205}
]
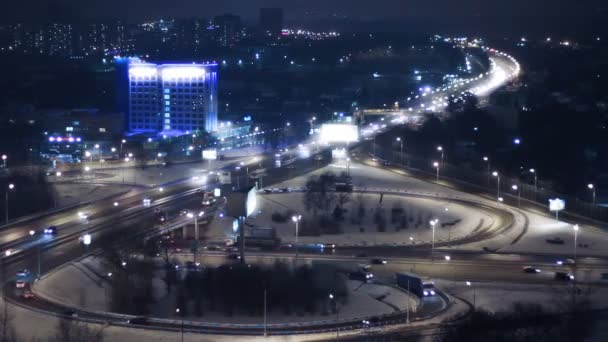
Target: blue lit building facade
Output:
[{"x": 172, "y": 99}]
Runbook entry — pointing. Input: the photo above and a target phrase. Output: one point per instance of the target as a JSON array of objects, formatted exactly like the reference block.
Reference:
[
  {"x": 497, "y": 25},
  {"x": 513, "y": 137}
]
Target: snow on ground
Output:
[
  {"x": 418, "y": 213},
  {"x": 74, "y": 193},
  {"x": 83, "y": 285}
]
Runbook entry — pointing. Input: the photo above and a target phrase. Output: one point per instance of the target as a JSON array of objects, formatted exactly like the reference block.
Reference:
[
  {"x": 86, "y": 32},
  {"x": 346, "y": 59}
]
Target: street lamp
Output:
[
  {"x": 533, "y": 171},
  {"x": 433, "y": 224},
  {"x": 440, "y": 149},
  {"x": 296, "y": 220},
  {"x": 10, "y": 187},
  {"x": 497, "y": 175},
  {"x": 518, "y": 189},
  {"x": 436, "y": 165},
  {"x": 575, "y": 228},
  {"x": 195, "y": 217},
  {"x": 4, "y": 157},
  {"x": 89, "y": 155},
  {"x": 592, "y": 188},
  {"x": 400, "y": 140},
  {"x": 333, "y": 299},
  {"x": 487, "y": 160},
  {"x": 105, "y": 288},
  {"x": 123, "y": 141},
  {"x": 468, "y": 283},
  {"x": 177, "y": 311}
]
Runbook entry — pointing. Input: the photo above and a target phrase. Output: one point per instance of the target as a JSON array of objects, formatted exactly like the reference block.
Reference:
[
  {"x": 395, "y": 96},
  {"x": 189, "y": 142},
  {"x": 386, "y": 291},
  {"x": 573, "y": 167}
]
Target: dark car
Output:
[
  {"x": 69, "y": 313},
  {"x": 556, "y": 241},
  {"x": 138, "y": 320},
  {"x": 234, "y": 256},
  {"x": 52, "y": 230},
  {"x": 377, "y": 261},
  {"x": 564, "y": 276},
  {"x": 530, "y": 269}
]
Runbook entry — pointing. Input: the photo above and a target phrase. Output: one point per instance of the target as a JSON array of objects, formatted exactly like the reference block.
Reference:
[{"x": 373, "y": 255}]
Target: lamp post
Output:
[
  {"x": 333, "y": 299},
  {"x": 433, "y": 224},
  {"x": 487, "y": 160},
  {"x": 181, "y": 329},
  {"x": 440, "y": 149},
  {"x": 123, "y": 141},
  {"x": 518, "y": 189},
  {"x": 10, "y": 187},
  {"x": 468, "y": 283},
  {"x": 575, "y": 228},
  {"x": 533, "y": 171},
  {"x": 89, "y": 155},
  {"x": 497, "y": 175},
  {"x": 4, "y": 157},
  {"x": 592, "y": 188},
  {"x": 312, "y": 131},
  {"x": 400, "y": 140},
  {"x": 195, "y": 217},
  {"x": 436, "y": 165},
  {"x": 105, "y": 288},
  {"x": 296, "y": 220}
]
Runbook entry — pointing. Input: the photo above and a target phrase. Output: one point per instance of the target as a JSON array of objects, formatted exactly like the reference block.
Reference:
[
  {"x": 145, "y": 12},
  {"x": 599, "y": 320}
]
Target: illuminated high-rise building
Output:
[{"x": 172, "y": 98}]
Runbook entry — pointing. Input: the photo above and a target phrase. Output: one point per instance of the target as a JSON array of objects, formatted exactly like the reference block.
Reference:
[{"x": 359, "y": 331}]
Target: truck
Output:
[
  {"x": 225, "y": 177},
  {"x": 415, "y": 284}
]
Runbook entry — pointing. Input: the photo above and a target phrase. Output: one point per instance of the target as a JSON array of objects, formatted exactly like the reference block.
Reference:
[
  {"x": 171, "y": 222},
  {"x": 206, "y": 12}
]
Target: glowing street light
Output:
[
  {"x": 440, "y": 149},
  {"x": 592, "y": 188},
  {"x": 497, "y": 175},
  {"x": 575, "y": 228},
  {"x": 487, "y": 160},
  {"x": 296, "y": 219},
  {"x": 433, "y": 223},
  {"x": 533, "y": 171},
  {"x": 4, "y": 157},
  {"x": 436, "y": 165},
  {"x": 518, "y": 189}
]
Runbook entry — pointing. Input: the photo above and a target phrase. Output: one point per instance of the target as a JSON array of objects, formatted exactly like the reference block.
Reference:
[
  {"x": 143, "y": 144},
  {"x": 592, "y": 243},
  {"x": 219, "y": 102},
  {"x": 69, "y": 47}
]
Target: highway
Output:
[{"x": 105, "y": 221}]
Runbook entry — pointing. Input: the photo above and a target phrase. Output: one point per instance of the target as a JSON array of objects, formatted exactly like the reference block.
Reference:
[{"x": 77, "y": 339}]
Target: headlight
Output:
[
  {"x": 432, "y": 293},
  {"x": 426, "y": 293}
]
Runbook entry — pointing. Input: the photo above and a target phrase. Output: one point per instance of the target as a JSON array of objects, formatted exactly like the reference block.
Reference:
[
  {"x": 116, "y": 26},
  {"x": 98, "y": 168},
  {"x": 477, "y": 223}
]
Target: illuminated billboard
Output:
[
  {"x": 339, "y": 133},
  {"x": 210, "y": 154},
  {"x": 556, "y": 204},
  {"x": 252, "y": 201}
]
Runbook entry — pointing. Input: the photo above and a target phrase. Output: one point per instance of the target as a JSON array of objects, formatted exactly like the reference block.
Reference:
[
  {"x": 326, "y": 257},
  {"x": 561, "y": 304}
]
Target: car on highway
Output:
[
  {"x": 361, "y": 275},
  {"x": 138, "y": 320},
  {"x": 564, "y": 276},
  {"x": 27, "y": 294},
  {"x": 267, "y": 191},
  {"x": 51, "y": 230},
  {"x": 530, "y": 269},
  {"x": 69, "y": 313},
  {"x": 23, "y": 273},
  {"x": 234, "y": 256},
  {"x": 428, "y": 288},
  {"x": 20, "y": 284},
  {"x": 147, "y": 202},
  {"x": 556, "y": 241},
  {"x": 377, "y": 261}
]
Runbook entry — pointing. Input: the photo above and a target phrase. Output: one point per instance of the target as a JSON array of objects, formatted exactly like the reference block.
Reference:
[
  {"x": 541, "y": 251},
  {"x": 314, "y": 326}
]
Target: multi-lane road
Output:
[{"x": 127, "y": 214}]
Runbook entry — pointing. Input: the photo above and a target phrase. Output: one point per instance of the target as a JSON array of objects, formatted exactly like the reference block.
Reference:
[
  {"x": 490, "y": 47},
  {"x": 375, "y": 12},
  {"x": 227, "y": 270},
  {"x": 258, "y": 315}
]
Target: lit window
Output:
[
  {"x": 167, "y": 115},
  {"x": 69, "y": 129},
  {"x": 167, "y": 90},
  {"x": 167, "y": 97},
  {"x": 102, "y": 130}
]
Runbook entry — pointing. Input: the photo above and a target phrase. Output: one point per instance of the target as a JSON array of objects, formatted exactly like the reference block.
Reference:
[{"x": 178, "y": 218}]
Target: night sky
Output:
[{"x": 301, "y": 11}]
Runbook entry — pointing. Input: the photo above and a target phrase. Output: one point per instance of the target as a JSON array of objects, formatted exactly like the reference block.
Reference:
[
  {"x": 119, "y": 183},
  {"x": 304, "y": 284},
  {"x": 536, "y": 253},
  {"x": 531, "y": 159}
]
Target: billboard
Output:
[
  {"x": 557, "y": 204},
  {"x": 210, "y": 154},
  {"x": 339, "y": 133},
  {"x": 252, "y": 202}
]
